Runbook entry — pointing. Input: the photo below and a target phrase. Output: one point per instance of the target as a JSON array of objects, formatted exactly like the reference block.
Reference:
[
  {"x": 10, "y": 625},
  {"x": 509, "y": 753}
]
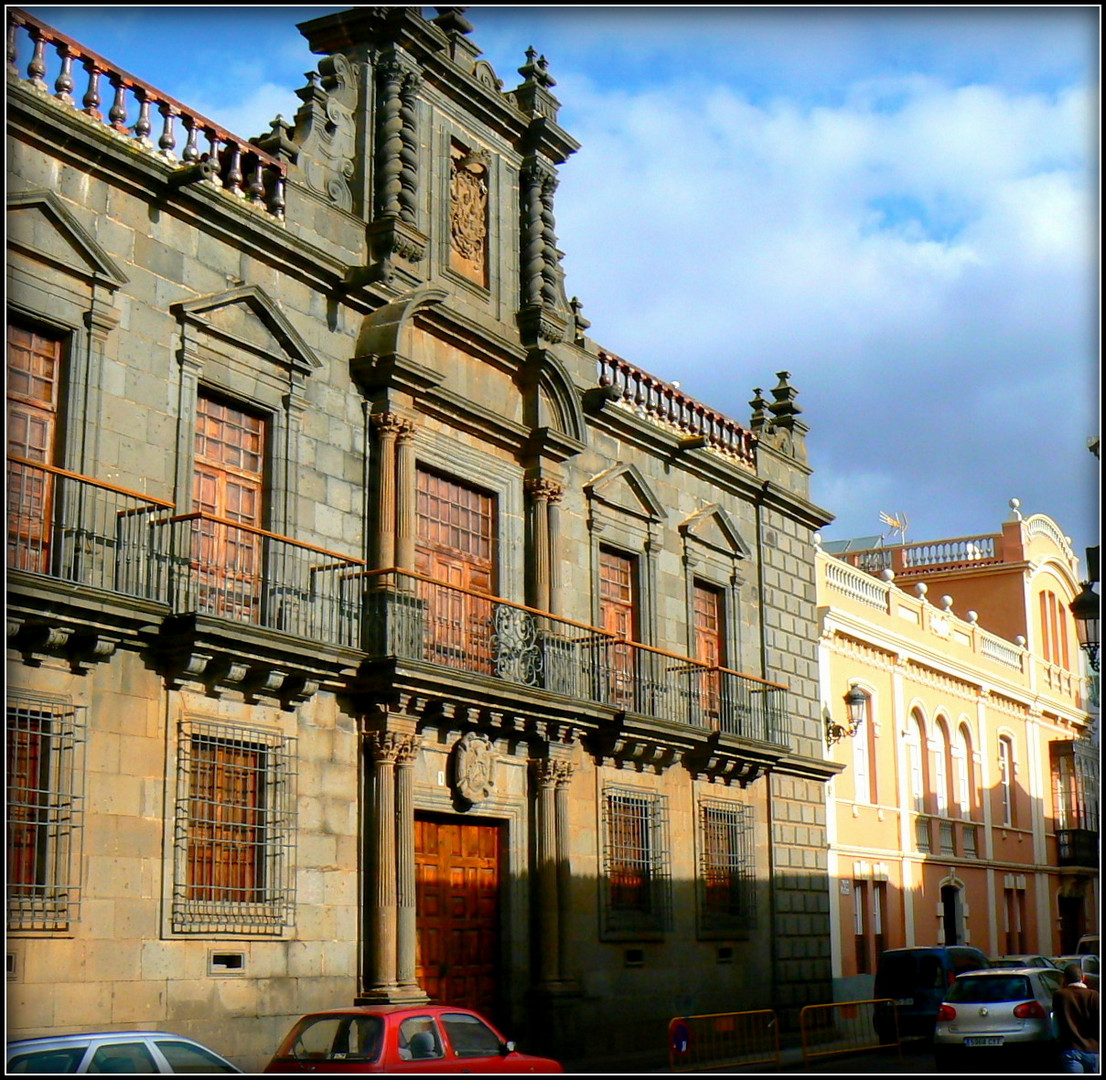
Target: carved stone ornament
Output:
[
  {"x": 474, "y": 767},
  {"x": 469, "y": 205}
]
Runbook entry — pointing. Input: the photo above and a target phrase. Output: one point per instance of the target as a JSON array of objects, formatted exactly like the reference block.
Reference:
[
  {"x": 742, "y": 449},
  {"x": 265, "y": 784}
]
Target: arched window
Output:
[
  {"x": 915, "y": 765},
  {"x": 1006, "y": 780},
  {"x": 940, "y": 768},
  {"x": 962, "y": 759}
]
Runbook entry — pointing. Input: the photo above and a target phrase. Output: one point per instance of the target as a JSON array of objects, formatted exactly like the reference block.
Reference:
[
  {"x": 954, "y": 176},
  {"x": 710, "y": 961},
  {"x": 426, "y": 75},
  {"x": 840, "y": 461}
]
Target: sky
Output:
[{"x": 899, "y": 206}]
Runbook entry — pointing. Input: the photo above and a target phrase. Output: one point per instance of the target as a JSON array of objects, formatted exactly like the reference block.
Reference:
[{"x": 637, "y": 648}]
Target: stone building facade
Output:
[
  {"x": 374, "y": 635},
  {"x": 967, "y": 810}
]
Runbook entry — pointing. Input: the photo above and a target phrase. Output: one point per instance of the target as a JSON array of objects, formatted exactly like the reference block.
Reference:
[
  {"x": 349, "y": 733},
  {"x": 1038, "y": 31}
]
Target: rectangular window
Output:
[
  {"x": 227, "y": 489},
  {"x": 235, "y": 830},
  {"x": 727, "y": 867},
  {"x": 34, "y": 371},
  {"x": 860, "y": 927},
  {"x": 636, "y": 875},
  {"x": 879, "y": 915},
  {"x": 45, "y": 747}
]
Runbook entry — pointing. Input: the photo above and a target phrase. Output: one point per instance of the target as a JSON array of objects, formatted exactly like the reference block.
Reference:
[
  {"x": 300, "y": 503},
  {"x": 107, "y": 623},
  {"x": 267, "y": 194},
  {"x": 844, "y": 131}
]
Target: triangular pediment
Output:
[
  {"x": 39, "y": 225},
  {"x": 247, "y": 318},
  {"x": 714, "y": 528},
  {"x": 624, "y": 488}
]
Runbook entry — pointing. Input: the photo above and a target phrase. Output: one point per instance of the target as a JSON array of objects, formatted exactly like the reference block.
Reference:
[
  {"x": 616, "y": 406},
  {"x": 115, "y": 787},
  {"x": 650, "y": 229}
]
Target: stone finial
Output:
[
  {"x": 758, "y": 405},
  {"x": 887, "y": 574},
  {"x": 784, "y": 407},
  {"x": 972, "y": 617},
  {"x": 452, "y": 20},
  {"x": 1015, "y": 513},
  {"x": 578, "y": 319},
  {"x": 1020, "y": 641},
  {"x": 946, "y": 603},
  {"x": 817, "y": 539},
  {"x": 920, "y": 590},
  {"x": 536, "y": 69}
]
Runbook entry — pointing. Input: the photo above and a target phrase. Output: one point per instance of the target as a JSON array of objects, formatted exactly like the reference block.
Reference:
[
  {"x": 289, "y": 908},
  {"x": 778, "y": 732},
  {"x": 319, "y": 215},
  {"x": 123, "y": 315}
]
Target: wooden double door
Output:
[{"x": 457, "y": 888}]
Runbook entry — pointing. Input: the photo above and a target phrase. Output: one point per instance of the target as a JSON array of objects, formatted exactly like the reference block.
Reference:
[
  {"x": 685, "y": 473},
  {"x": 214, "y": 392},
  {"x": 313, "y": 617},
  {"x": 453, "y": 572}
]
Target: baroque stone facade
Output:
[{"x": 373, "y": 635}]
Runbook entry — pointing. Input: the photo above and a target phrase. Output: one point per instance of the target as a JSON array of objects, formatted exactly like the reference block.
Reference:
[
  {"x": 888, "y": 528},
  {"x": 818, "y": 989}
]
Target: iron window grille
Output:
[
  {"x": 234, "y": 831},
  {"x": 727, "y": 867},
  {"x": 637, "y": 879},
  {"x": 45, "y": 759}
]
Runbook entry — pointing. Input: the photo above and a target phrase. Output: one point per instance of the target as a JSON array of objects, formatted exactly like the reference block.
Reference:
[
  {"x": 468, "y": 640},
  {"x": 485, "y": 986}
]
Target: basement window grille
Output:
[
  {"x": 727, "y": 867},
  {"x": 45, "y": 765},
  {"x": 234, "y": 830},
  {"x": 637, "y": 880}
]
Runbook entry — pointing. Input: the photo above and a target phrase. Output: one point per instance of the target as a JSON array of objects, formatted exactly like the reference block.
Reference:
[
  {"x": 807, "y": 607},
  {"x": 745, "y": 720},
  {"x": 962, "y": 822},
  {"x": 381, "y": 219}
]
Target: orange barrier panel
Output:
[
  {"x": 719, "y": 1040},
  {"x": 846, "y": 1027}
]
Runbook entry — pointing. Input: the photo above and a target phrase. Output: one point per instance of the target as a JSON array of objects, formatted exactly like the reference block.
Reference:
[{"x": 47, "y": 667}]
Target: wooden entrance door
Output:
[{"x": 457, "y": 911}]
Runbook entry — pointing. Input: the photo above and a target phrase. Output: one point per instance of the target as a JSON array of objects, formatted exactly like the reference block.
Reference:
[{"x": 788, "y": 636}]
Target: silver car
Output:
[
  {"x": 115, "y": 1051},
  {"x": 1001, "y": 1016}
]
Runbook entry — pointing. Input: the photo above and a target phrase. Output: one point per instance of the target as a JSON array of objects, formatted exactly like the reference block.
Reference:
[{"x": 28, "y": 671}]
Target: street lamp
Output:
[
  {"x": 1086, "y": 609},
  {"x": 856, "y": 708}
]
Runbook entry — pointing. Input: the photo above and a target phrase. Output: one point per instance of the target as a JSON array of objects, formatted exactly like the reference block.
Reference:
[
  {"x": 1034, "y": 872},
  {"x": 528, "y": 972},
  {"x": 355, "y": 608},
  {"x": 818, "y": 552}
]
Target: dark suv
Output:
[{"x": 916, "y": 980}]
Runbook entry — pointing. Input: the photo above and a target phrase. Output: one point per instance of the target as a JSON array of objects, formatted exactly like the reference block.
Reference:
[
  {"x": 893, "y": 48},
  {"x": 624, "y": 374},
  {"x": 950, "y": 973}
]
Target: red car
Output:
[{"x": 401, "y": 1038}]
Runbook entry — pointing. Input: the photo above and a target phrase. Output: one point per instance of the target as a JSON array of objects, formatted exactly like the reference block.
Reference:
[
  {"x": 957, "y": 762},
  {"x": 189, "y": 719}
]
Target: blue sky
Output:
[{"x": 897, "y": 205}]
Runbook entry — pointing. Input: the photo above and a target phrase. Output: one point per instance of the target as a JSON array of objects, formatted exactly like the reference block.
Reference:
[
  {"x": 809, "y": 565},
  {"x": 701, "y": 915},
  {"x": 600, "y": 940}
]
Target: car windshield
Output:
[
  {"x": 335, "y": 1038},
  {"x": 62, "y": 1060},
  {"x": 984, "y": 989}
]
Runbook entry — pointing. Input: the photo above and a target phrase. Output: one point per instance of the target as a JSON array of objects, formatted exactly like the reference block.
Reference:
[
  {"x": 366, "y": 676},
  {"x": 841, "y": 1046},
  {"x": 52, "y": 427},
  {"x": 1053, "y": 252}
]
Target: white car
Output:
[
  {"x": 998, "y": 1020},
  {"x": 115, "y": 1051}
]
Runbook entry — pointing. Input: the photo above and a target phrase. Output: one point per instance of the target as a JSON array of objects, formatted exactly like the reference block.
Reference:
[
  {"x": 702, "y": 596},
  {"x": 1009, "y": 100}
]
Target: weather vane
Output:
[{"x": 898, "y": 524}]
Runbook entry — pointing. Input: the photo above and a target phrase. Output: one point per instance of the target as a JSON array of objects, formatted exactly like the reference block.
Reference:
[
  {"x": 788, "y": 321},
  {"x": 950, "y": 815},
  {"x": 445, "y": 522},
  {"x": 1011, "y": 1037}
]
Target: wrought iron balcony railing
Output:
[
  {"x": 410, "y": 616},
  {"x": 81, "y": 530},
  {"x": 1077, "y": 847},
  {"x": 230, "y": 570}
]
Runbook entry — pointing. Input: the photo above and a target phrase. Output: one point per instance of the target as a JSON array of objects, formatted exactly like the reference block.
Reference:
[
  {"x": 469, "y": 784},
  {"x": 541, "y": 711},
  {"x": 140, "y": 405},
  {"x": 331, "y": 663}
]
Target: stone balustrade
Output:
[
  {"x": 201, "y": 150},
  {"x": 668, "y": 405}
]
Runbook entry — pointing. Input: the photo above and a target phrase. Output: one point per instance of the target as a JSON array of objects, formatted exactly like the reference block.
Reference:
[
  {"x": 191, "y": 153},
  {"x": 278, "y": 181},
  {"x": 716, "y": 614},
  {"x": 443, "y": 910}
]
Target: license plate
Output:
[
  {"x": 904, "y": 1001},
  {"x": 984, "y": 1040}
]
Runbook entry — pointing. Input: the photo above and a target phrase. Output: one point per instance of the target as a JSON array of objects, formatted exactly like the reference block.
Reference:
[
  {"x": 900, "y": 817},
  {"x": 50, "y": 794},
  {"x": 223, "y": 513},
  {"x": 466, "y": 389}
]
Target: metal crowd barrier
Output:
[
  {"x": 847, "y": 1027},
  {"x": 721, "y": 1040}
]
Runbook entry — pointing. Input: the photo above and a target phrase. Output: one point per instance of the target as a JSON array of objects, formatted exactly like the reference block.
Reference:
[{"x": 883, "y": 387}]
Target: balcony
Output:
[
  {"x": 412, "y": 617},
  {"x": 82, "y": 531},
  {"x": 1077, "y": 847}
]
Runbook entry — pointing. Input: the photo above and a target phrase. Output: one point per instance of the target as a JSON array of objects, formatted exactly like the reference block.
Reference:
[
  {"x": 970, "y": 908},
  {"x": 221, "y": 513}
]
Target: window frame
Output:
[
  {"x": 270, "y": 909},
  {"x": 652, "y": 915},
  {"x": 738, "y": 820},
  {"x": 53, "y": 901}
]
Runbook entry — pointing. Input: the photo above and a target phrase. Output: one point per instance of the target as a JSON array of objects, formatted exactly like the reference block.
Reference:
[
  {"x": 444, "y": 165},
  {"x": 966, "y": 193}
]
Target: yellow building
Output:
[{"x": 967, "y": 809}]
